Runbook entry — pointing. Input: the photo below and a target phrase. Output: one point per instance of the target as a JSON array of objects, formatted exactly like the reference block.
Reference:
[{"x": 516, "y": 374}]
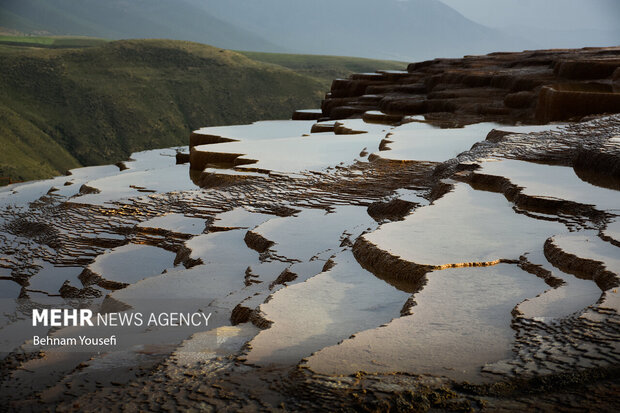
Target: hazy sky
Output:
[{"x": 547, "y": 14}]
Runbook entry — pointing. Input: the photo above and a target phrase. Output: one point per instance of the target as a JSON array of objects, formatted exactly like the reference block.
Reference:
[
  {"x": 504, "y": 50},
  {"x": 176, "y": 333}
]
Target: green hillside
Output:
[
  {"x": 66, "y": 107},
  {"x": 128, "y": 19}
]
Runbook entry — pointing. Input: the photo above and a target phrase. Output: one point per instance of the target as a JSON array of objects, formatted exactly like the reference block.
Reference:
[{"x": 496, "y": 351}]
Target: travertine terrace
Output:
[
  {"x": 530, "y": 87},
  {"x": 442, "y": 238}
]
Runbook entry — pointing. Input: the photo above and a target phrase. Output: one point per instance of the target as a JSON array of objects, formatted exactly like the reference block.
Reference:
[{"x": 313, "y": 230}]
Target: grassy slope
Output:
[
  {"x": 28, "y": 152},
  {"x": 62, "y": 107},
  {"x": 102, "y": 103}
]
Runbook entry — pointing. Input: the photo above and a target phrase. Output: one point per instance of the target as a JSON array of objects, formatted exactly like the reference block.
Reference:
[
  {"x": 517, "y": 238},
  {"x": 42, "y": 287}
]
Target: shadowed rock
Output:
[
  {"x": 393, "y": 210},
  {"x": 530, "y": 86}
]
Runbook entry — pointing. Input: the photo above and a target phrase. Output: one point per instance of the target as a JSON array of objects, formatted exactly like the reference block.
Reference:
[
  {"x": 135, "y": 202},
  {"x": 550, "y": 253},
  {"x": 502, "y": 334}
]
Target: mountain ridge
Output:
[
  {"x": 399, "y": 30},
  {"x": 121, "y": 19}
]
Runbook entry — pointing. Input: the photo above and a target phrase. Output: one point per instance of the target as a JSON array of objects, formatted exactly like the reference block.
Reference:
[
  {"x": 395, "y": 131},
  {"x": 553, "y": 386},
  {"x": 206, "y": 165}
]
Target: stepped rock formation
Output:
[
  {"x": 397, "y": 262},
  {"x": 530, "y": 87}
]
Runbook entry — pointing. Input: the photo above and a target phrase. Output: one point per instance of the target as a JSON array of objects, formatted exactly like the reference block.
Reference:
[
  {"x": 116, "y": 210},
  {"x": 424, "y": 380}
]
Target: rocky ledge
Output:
[
  {"x": 529, "y": 87},
  {"x": 348, "y": 265}
]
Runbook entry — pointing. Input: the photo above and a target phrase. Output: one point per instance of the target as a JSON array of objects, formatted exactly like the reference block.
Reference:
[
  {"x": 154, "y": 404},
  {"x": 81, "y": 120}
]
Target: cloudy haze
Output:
[
  {"x": 548, "y": 23},
  {"x": 405, "y": 30}
]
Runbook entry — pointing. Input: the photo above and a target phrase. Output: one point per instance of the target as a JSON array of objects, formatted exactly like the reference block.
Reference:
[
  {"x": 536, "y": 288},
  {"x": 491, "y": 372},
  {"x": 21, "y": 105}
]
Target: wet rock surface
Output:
[
  {"x": 531, "y": 86},
  {"x": 345, "y": 266}
]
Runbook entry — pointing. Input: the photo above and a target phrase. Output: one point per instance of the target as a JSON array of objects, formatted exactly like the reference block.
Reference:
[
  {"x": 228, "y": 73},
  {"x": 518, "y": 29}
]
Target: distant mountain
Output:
[
  {"x": 549, "y": 23},
  {"x": 394, "y": 29},
  {"x": 123, "y": 19},
  {"x": 388, "y": 29}
]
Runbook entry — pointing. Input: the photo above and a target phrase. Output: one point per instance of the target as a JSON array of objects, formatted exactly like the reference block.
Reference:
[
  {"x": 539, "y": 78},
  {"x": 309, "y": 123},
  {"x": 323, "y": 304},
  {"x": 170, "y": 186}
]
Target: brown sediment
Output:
[
  {"x": 102, "y": 242},
  {"x": 529, "y": 86},
  {"x": 85, "y": 189},
  {"x": 580, "y": 267},
  {"x": 249, "y": 278},
  {"x": 598, "y": 177},
  {"x": 379, "y": 117},
  {"x": 89, "y": 278},
  {"x": 383, "y": 145},
  {"x": 243, "y": 314},
  {"x": 496, "y": 135},
  {"x": 539, "y": 271},
  {"x": 162, "y": 232},
  {"x": 41, "y": 232},
  {"x": 69, "y": 291},
  {"x": 408, "y": 306},
  {"x": 602, "y": 235},
  {"x": 199, "y": 160},
  {"x": 402, "y": 274},
  {"x": 568, "y": 100},
  {"x": 181, "y": 158},
  {"x": 394, "y": 210},
  {"x": 322, "y": 127},
  {"x": 258, "y": 319},
  {"x": 539, "y": 388},
  {"x": 215, "y": 180},
  {"x": 284, "y": 277},
  {"x": 389, "y": 267},
  {"x": 240, "y": 314},
  {"x": 439, "y": 190},
  {"x": 196, "y": 138},
  {"x": 183, "y": 256},
  {"x": 329, "y": 264},
  {"x": 257, "y": 242},
  {"x": 405, "y": 275},
  {"x": 121, "y": 166},
  {"x": 598, "y": 168},
  {"x": 341, "y": 129},
  {"x": 514, "y": 194}
]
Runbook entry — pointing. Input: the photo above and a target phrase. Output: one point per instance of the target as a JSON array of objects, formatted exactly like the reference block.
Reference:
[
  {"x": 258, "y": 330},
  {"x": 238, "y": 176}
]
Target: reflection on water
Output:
[
  {"x": 9, "y": 289},
  {"x": 290, "y": 155},
  {"x": 131, "y": 263},
  {"x": 553, "y": 181},
  {"x": 613, "y": 230},
  {"x": 50, "y": 278},
  {"x": 461, "y": 321},
  {"x": 177, "y": 223},
  {"x": 465, "y": 226},
  {"x": 421, "y": 141},
  {"x": 134, "y": 184},
  {"x": 296, "y": 273},
  {"x": 313, "y": 232},
  {"x": 587, "y": 244},
  {"x": 574, "y": 295},
  {"x": 271, "y": 129},
  {"x": 329, "y": 307}
]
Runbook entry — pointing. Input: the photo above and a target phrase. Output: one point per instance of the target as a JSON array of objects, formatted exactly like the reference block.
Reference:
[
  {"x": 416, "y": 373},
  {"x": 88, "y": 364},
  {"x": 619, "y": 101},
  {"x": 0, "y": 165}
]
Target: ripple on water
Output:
[
  {"x": 552, "y": 181},
  {"x": 329, "y": 307},
  {"x": 421, "y": 141},
  {"x": 465, "y": 226},
  {"x": 178, "y": 223}
]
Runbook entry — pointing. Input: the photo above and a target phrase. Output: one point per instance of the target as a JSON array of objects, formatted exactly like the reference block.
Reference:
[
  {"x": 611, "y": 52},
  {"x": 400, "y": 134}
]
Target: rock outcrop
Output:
[{"x": 530, "y": 87}]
